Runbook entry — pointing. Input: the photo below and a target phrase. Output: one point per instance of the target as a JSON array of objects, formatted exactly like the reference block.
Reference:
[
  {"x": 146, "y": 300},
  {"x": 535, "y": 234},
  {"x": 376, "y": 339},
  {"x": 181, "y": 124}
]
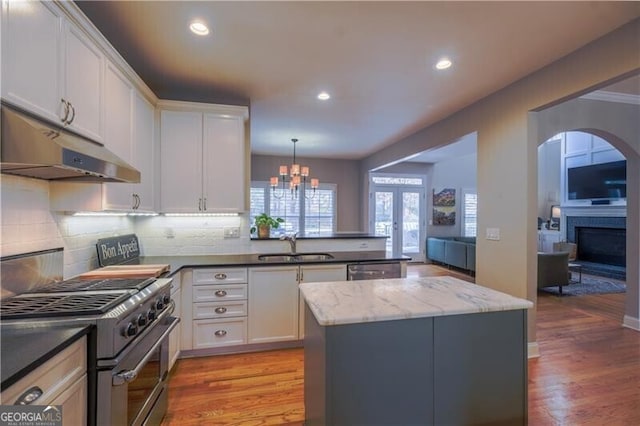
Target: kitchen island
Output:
[{"x": 431, "y": 350}]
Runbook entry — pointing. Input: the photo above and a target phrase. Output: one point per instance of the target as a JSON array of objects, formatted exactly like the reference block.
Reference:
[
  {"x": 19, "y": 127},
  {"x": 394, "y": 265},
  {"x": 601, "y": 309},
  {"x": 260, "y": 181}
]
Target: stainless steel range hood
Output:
[{"x": 34, "y": 148}]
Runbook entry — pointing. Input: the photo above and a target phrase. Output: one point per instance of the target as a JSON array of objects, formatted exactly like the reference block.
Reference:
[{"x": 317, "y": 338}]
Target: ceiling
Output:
[{"x": 376, "y": 60}]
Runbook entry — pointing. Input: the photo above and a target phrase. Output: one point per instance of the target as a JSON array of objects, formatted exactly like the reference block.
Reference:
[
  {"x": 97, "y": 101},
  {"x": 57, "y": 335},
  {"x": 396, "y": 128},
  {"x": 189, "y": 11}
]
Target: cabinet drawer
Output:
[
  {"x": 220, "y": 309},
  {"x": 219, "y": 276},
  {"x": 218, "y": 293},
  {"x": 219, "y": 332},
  {"x": 52, "y": 377}
]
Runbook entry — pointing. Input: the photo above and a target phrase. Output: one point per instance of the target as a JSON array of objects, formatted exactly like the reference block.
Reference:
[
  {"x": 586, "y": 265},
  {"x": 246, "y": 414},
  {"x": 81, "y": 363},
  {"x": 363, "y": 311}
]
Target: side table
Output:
[{"x": 576, "y": 267}]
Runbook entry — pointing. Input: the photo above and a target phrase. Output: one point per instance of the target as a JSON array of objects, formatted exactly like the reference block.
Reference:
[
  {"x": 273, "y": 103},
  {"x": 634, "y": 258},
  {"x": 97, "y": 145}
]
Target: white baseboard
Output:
[
  {"x": 533, "y": 350},
  {"x": 631, "y": 322}
]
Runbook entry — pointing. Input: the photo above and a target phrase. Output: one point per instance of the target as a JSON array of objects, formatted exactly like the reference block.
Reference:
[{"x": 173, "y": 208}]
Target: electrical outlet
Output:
[
  {"x": 232, "y": 232},
  {"x": 493, "y": 234}
]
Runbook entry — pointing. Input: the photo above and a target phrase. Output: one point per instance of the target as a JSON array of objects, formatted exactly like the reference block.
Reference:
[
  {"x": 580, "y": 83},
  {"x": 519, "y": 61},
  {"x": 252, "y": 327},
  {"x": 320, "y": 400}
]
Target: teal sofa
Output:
[{"x": 459, "y": 252}]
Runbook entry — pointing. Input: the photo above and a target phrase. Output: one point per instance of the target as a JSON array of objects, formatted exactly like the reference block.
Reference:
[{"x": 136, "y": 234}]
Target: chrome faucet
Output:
[{"x": 292, "y": 241}]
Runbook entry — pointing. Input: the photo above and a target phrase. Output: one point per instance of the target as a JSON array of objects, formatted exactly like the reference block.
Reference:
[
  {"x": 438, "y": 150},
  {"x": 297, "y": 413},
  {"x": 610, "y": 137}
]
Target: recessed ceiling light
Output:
[
  {"x": 443, "y": 64},
  {"x": 323, "y": 96},
  {"x": 199, "y": 28}
]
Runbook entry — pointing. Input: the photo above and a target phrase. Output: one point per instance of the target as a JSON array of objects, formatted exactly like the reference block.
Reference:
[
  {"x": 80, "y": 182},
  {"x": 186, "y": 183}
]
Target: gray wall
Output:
[
  {"x": 344, "y": 173},
  {"x": 458, "y": 173}
]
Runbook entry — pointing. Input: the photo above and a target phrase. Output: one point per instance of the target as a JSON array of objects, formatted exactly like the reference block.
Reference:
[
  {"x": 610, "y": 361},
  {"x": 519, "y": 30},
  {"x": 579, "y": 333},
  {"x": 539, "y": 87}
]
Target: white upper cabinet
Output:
[
  {"x": 129, "y": 133},
  {"x": 82, "y": 89},
  {"x": 118, "y": 114},
  {"x": 50, "y": 67},
  {"x": 32, "y": 57},
  {"x": 119, "y": 135},
  {"x": 223, "y": 167},
  {"x": 181, "y": 161},
  {"x": 144, "y": 153},
  {"x": 203, "y": 159}
]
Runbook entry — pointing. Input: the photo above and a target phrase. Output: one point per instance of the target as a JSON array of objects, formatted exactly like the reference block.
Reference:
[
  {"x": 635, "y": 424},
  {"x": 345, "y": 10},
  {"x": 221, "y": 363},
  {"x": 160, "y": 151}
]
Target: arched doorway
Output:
[{"x": 617, "y": 124}]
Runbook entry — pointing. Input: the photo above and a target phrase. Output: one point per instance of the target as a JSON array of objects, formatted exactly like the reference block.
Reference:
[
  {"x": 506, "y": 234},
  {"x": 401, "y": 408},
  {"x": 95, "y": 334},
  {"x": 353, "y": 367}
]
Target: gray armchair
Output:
[
  {"x": 571, "y": 248},
  {"x": 553, "y": 270}
]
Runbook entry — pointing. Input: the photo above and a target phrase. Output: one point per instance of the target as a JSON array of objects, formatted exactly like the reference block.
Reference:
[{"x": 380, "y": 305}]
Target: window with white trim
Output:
[
  {"x": 314, "y": 214},
  {"x": 470, "y": 213}
]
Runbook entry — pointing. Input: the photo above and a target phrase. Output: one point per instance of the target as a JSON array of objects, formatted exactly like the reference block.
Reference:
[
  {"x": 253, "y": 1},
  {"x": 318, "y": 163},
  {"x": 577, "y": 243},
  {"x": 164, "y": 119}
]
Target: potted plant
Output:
[{"x": 263, "y": 224}]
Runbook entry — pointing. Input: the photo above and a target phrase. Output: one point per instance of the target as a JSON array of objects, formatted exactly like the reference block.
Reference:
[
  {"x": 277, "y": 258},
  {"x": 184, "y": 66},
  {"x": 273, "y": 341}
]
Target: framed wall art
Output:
[{"x": 444, "y": 206}]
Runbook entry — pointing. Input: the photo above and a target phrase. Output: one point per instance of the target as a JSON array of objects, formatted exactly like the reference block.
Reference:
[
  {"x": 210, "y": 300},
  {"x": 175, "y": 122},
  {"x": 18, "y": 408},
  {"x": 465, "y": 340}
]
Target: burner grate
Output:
[
  {"x": 55, "y": 305},
  {"x": 77, "y": 284}
]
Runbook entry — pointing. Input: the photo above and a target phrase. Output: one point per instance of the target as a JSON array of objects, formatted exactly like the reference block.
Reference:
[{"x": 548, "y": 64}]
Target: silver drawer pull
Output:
[
  {"x": 220, "y": 276},
  {"x": 29, "y": 397},
  {"x": 220, "y": 293},
  {"x": 220, "y": 333},
  {"x": 220, "y": 310}
]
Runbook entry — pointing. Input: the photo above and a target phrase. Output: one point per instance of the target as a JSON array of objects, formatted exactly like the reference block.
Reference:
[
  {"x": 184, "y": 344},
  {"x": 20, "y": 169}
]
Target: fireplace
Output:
[
  {"x": 601, "y": 242},
  {"x": 601, "y": 245}
]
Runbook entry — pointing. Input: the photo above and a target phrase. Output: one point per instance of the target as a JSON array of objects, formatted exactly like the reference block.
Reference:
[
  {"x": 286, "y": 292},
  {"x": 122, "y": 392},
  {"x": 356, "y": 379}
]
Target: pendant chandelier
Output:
[{"x": 295, "y": 176}]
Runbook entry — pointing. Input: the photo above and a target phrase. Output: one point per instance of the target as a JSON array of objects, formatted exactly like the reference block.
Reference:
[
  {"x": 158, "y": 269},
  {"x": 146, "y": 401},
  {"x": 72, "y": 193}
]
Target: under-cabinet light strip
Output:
[
  {"x": 112, "y": 214},
  {"x": 200, "y": 214}
]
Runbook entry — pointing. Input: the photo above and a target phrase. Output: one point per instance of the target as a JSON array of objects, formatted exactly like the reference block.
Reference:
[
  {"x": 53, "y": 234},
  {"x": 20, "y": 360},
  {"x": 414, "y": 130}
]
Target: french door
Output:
[{"x": 397, "y": 210}]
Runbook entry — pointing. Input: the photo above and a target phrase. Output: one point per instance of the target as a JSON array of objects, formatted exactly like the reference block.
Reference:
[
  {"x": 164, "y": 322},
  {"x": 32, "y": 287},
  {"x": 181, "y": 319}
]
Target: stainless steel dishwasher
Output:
[{"x": 373, "y": 271}]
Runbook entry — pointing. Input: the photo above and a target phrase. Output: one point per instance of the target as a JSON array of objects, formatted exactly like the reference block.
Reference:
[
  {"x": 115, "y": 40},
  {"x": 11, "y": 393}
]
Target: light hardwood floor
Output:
[{"x": 588, "y": 372}]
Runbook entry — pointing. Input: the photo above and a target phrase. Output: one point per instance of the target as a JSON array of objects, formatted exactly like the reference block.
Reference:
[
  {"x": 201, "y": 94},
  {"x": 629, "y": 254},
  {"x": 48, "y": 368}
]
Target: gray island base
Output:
[{"x": 417, "y": 351}]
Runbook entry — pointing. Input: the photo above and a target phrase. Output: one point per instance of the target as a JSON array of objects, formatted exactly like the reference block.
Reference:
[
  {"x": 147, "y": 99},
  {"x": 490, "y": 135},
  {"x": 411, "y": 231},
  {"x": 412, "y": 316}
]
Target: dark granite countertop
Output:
[
  {"x": 25, "y": 348},
  {"x": 336, "y": 235},
  {"x": 202, "y": 261}
]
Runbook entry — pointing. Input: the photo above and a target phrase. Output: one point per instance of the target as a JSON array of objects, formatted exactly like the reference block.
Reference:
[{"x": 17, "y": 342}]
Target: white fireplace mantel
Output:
[{"x": 604, "y": 210}]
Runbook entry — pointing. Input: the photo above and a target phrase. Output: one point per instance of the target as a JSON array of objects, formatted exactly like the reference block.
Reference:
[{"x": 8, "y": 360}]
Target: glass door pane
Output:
[
  {"x": 410, "y": 223},
  {"x": 384, "y": 216}
]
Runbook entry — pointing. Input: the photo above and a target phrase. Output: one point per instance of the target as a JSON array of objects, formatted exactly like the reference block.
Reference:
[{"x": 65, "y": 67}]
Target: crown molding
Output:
[{"x": 603, "y": 95}]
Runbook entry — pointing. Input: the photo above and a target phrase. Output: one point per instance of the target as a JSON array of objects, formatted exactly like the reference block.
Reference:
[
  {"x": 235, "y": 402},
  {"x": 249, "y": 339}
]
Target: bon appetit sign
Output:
[{"x": 117, "y": 250}]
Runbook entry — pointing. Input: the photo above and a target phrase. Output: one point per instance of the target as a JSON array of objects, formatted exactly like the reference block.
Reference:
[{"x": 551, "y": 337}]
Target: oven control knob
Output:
[
  {"x": 166, "y": 299},
  {"x": 159, "y": 304},
  {"x": 131, "y": 330},
  {"x": 141, "y": 320},
  {"x": 151, "y": 315}
]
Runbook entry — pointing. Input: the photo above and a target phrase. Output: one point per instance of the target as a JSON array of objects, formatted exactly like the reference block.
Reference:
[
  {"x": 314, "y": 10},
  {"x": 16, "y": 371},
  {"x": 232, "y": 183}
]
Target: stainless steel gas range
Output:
[{"x": 128, "y": 347}]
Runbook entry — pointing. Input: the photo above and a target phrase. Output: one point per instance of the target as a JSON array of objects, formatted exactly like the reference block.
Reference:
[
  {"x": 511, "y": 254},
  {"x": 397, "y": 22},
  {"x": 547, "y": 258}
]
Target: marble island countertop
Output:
[{"x": 350, "y": 302}]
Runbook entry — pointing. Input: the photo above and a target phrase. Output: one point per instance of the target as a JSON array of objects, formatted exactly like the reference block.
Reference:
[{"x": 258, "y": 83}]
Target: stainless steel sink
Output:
[
  {"x": 276, "y": 257},
  {"x": 299, "y": 257},
  {"x": 310, "y": 257}
]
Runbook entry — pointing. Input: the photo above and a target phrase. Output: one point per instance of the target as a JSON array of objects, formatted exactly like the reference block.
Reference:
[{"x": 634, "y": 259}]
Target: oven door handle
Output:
[{"x": 130, "y": 375}]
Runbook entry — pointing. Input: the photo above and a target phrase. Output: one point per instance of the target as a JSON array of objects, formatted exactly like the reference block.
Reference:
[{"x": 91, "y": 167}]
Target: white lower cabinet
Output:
[
  {"x": 276, "y": 309},
  {"x": 224, "y": 307},
  {"x": 74, "y": 402},
  {"x": 273, "y": 304},
  {"x": 317, "y": 273},
  {"x": 175, "y": 336},
  {"x": 546, "y": 238},
  {"x": 217, "y": 307},
  {"x": 211, "y": 333},
  {"x": 62, "y": 381}
]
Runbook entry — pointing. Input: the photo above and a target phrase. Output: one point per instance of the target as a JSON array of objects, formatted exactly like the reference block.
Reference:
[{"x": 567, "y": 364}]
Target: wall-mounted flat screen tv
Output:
[{"x": 598, "y": 181}]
